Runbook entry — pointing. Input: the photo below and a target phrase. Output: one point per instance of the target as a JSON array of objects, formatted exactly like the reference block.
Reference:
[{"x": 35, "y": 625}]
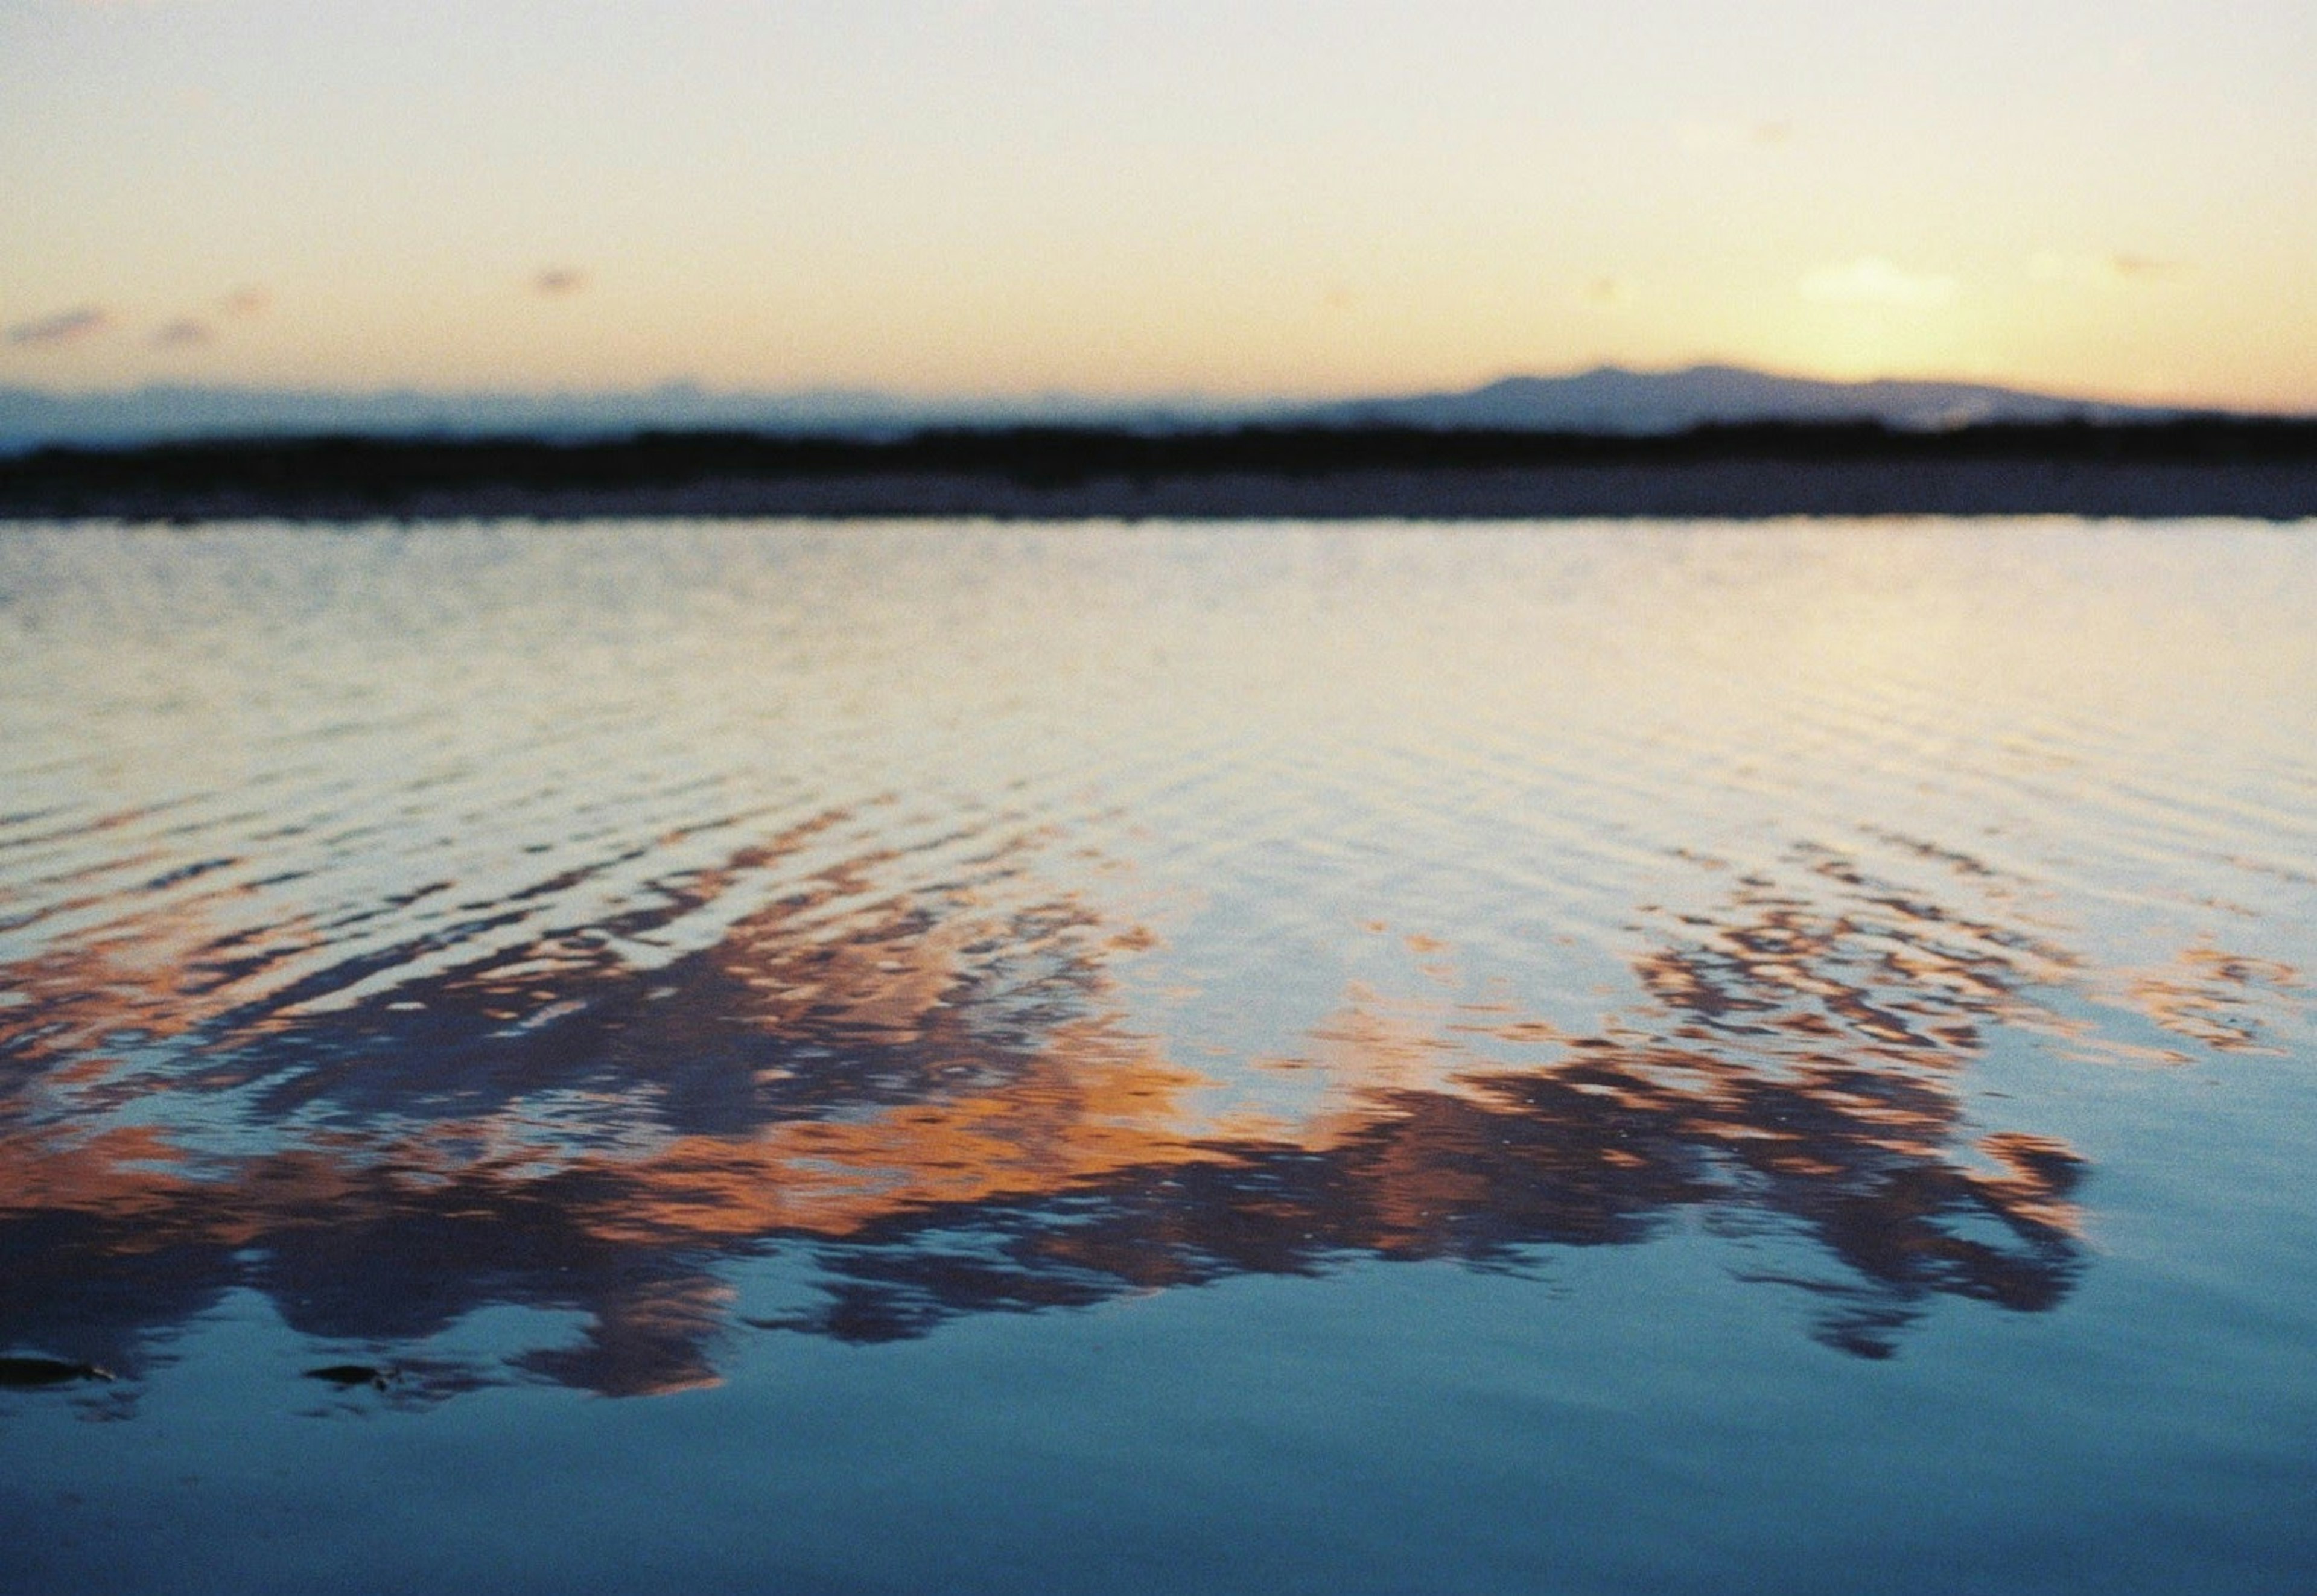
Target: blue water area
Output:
[{"x": 760, "y": 1056}]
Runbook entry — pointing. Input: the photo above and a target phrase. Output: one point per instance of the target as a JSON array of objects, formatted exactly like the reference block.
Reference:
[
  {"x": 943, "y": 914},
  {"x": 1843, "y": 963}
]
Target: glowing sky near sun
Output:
[{"x": 2115, "y": 197}]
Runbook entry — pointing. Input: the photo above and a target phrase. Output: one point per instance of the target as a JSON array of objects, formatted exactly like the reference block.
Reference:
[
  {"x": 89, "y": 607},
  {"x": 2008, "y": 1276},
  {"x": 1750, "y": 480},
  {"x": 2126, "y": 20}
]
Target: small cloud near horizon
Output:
[
  {"x": 1871, "y": 280},
  {"x": 185, "y": 332},
  {"x": 555, "y": 282},
  {"x": 2052, "y": 266},
  {"x": 65, "y": 326},
  {"x": 252, "y": 301},
  {"x": 1771, "y": 134},
  {"x": 1608, "y": 291}
]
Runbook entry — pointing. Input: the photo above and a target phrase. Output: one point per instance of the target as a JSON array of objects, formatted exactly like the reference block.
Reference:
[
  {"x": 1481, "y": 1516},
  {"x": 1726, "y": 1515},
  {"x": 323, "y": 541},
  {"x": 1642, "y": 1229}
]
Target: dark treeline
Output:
[{"x": 389, "y": 473}]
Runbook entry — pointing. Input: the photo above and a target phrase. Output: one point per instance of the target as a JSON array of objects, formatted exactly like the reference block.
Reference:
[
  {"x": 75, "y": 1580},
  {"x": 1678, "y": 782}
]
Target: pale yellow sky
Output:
[{"x": 2116, "y": 199}]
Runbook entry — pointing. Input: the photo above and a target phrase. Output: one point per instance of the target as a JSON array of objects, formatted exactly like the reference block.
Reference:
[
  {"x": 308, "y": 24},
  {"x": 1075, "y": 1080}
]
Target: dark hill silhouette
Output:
[{"x": 2195, "y": 466}]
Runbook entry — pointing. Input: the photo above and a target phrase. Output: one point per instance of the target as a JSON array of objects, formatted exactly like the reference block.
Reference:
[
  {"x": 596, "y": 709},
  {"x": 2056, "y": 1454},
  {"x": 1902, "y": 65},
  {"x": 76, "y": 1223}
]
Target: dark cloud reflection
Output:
[{"x": 932, "y": 1103}]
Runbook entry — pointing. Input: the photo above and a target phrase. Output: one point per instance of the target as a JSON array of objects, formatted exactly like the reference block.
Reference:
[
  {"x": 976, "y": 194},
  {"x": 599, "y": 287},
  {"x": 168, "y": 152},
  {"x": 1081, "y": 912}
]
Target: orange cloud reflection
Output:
[{"x": 937, "y": 1100}]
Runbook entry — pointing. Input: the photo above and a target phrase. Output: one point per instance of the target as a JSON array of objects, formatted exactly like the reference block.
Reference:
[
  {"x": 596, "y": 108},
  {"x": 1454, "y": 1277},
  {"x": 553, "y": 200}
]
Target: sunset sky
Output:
[{"x": 2108, "y": 197}]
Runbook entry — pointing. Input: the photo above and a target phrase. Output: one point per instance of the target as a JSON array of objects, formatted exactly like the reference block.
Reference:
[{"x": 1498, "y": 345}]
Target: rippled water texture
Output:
[{"x": 1092, "y": 1058}]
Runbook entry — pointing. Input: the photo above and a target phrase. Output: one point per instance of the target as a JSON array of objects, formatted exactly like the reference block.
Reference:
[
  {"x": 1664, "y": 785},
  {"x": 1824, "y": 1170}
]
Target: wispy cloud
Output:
[
  {"x": 246, "y": 302},
  {"x": 1734, "y": 135},
  {"x": 185, "y": 332},
  {"x": 2053, "y": 266},
  {"x": 556, "y": 283},
  {"x": 1608, "y": 291},
  {"x": 65, "y": 326},
  {"x": 1871, "y": 280}
]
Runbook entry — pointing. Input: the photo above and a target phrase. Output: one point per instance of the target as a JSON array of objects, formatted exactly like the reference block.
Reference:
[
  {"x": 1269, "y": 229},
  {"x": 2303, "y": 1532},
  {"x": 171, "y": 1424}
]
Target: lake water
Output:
[{"x": 1671, "y": 1058}]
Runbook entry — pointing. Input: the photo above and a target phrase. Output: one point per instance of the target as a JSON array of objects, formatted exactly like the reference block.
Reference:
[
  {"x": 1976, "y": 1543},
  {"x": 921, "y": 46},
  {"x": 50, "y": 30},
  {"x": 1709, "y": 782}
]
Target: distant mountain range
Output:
[
  {"x": 1612, "y": 399},
  {"x": 1608, "y": 400}
]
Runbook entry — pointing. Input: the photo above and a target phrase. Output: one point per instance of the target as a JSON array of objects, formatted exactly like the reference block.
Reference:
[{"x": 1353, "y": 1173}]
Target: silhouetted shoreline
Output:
[{"x": 2232, "y": 467}]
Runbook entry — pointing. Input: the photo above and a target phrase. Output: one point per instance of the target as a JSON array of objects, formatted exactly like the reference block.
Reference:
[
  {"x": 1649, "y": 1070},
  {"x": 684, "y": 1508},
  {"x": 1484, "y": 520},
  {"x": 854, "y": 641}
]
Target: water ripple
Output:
[{"x": 400, "y": 924}]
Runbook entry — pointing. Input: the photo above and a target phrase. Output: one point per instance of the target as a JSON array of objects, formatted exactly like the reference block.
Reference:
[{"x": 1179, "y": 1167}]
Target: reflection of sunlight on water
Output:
[{"x": 1109, "y": 910}]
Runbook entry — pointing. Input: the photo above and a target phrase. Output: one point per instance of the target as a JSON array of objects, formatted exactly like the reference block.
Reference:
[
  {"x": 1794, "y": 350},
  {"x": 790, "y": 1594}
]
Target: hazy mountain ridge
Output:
[
  {"x": 1607, "y": 399},
  {"x": 1613, "y": 400}
]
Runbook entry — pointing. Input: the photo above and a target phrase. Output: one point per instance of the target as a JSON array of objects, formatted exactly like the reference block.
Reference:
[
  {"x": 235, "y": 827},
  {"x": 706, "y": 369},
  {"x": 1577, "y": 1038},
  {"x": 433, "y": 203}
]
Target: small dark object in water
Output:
[
  {"x": 21, "y": 1373},
  {"x": 347, "y": 1376}
]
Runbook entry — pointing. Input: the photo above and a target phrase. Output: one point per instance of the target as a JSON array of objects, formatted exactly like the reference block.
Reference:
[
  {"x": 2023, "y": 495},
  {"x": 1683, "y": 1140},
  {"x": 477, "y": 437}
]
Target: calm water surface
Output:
[{"x": 1674, "y": 1058}]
